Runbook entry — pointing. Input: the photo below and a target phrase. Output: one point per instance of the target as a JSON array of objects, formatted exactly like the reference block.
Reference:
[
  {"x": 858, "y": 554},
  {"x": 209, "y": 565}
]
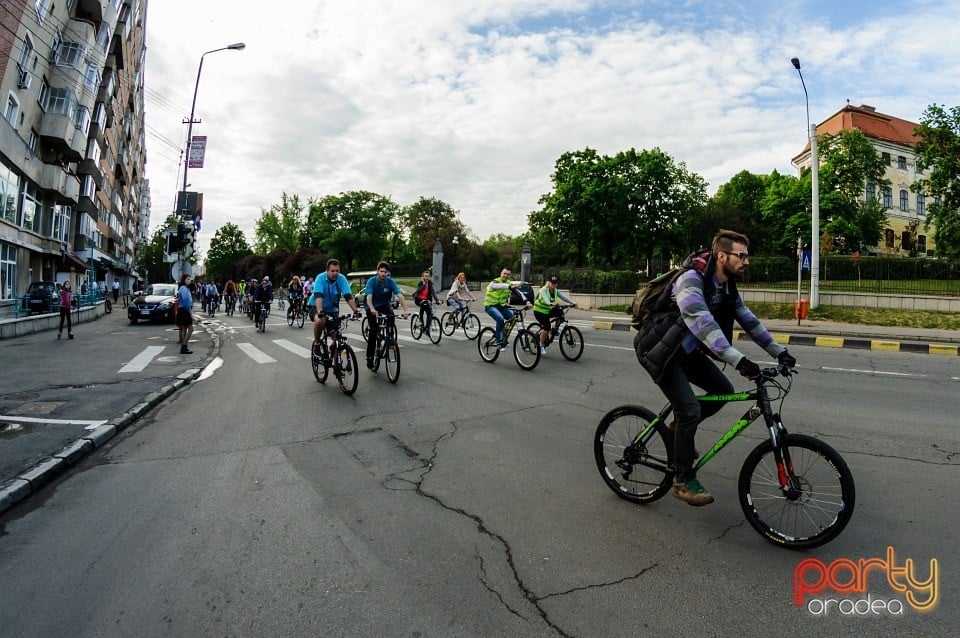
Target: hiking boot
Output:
[
  {"x": 672, "y": 427},
  {"x": 370, "y": 363},
  {"x": 691, "y": 492}
]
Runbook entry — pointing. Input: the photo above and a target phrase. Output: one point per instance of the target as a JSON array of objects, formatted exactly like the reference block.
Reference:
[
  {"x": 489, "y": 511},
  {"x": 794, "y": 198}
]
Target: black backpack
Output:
[{"x": 655, "y": 297}]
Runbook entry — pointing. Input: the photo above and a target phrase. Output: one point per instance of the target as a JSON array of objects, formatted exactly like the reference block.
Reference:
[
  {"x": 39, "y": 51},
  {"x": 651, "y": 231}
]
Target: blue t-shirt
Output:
[
  {"x": 382, "y": 292},
  {"x": 184, "y": 298},
  {"x": 329, "y": 291}
]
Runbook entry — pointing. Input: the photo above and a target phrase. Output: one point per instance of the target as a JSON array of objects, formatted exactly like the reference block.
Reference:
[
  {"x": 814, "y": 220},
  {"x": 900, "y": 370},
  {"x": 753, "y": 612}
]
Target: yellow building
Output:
[{"x": 894, "y": 140}]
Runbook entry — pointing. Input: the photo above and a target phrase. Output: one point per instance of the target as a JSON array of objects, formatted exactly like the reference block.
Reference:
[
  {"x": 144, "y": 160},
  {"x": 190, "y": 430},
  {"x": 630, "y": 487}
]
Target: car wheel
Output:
[{"x": 133, "y": 321}]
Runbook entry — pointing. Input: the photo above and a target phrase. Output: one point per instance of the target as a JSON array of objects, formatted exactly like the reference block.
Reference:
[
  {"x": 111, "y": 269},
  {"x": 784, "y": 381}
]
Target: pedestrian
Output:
[
  {"x": 66, "y": 305},
  {"x": 116, "y": 290},
  {"x": 184, "y": 314}
]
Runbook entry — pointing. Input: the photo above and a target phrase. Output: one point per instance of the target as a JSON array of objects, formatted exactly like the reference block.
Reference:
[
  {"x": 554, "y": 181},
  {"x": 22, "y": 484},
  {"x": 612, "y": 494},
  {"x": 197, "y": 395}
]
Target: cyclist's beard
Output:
[{"x": 732, "y": 272}]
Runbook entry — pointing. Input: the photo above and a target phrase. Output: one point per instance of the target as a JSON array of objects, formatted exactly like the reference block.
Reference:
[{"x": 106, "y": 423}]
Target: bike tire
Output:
[
  {"x": 263, "y": 322},
  {"x": 526, "y": 350},
  {"x": 320, "y": 371},
  {"x": 365, "y": 329},
  {"x": 637, "y": 473},
  {"x": 434, "y": 333},
  {"x": 448, "y": 323},
  {"x": 392, "y": 362},
  {"x": 819, "y": 507},
  {"x": 345, "y": 367},
  {"x": 416, "y": 327},
  {"x": 571, "y": 343},
  {"x": 107, "y": 306},
  {"x": 291, "y": 317},
  {"x": 487, "y": 345},
  {"x": 300, "y": 318},
  {"x": 471, "y": 326}
]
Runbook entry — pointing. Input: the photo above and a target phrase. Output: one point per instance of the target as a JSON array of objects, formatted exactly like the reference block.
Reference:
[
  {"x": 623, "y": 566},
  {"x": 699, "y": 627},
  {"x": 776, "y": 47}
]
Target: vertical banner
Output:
[
  {"x": 198, "y": 213},
  {"x": 198, "y": 147}
]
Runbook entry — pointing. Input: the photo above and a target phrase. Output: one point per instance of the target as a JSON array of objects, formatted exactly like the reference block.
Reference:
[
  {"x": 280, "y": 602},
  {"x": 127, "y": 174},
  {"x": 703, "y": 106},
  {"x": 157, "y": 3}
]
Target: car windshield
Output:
[{"x": 161, "y": 290}]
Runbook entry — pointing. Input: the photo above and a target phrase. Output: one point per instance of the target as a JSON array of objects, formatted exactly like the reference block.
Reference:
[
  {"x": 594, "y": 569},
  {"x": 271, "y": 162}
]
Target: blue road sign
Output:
[{"x": 805, "y": 260}]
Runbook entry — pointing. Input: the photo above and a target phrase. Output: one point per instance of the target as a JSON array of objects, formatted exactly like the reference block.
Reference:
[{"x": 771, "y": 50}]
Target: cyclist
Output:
[
  {"x": 295, "y": 295},
  {"x": 545, "y": 308},
  {"x": 211, "y": 295},
  {"x": 495, "y": 302},
  {"x": 262, "y": 297},
  {"x": 328, "y": 288},
  {"x": 676, "y": 346},
  {"x": 230, "y": 293},
  {"x": 425, "y": 297},
  {"x": 459, "y": 293},
  {"x": 248, "y": 300},
  {"x": 379, "y": 292}
]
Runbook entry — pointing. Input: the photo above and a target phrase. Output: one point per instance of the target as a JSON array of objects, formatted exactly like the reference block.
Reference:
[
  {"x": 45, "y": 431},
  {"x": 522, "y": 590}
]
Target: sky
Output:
[{"x": 472, "y": 102}]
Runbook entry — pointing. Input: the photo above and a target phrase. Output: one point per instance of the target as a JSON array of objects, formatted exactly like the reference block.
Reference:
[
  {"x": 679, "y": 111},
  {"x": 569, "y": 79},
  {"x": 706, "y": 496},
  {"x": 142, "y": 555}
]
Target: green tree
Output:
[
  {"x": 430, "y": 219},
  {"x": 939, "y": 150},
  {"x": 227, "y": 247},
  {"x": 354, "y": 227},
  {"x": 151, "y": 261},
  {"x": 280, "y": 228},
  {"x": 737, "y": 206}
]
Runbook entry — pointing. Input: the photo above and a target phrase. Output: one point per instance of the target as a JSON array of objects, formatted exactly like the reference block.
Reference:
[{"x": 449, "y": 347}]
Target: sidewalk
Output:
[{"x": 832, "y": 334}]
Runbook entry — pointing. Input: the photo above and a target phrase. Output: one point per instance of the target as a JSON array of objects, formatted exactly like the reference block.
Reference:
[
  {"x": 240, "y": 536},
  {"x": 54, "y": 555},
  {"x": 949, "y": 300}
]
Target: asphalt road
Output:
[{"x": 463, "y": 501}]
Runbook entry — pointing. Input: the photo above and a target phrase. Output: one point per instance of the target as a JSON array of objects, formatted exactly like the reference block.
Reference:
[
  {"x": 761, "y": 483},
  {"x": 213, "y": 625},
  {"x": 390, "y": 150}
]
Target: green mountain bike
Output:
[{"x": 794, "y": 489}]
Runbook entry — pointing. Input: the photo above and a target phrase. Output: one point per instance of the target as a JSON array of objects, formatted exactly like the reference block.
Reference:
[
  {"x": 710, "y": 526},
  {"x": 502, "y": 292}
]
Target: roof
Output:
[{"x": 875, "y": 125}]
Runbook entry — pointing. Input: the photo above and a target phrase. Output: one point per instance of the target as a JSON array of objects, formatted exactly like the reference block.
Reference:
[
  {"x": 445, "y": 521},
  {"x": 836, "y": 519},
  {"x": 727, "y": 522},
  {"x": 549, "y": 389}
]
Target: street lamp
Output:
[
  {"x": 238, "y": 46},
  {"x": 815, "y": 213}
]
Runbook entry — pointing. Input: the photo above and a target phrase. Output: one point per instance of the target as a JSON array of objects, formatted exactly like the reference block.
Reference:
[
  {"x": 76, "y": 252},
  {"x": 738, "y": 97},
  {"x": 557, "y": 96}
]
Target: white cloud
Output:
[{"x": 469, "y": 103}]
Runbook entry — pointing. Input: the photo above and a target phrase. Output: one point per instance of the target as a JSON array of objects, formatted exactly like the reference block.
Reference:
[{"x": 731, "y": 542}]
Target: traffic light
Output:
[
  {"x": 183, "y": 236},
  {"x": 171, "y": 246}
]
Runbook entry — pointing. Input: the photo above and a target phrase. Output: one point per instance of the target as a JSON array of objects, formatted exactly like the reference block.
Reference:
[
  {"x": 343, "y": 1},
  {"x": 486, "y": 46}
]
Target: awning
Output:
[
  {"x": 74, "y": 261},
  {"x": 107, "y": 263}
]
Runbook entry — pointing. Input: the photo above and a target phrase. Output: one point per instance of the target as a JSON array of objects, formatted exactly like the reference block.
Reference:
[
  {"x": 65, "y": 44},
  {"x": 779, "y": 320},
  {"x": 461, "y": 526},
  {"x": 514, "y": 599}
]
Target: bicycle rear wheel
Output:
[
  {"x": 320, "y": 371},
  {"x": 416, "y": 327},
  {"x": 488, "y": 345},
  {"x": 345, "y": 367},
  {"x": 526, "y": 350},
  {"x": 571, "y": 343},
  {"x": 448, "y": 323},
  {"x": 392, "y": 362},
  {"x": 471, "y": 326},
  {"x": 817, "y": 503},
  {"x": 434, "y": 332},
  {"x": 638, "y": 472}
]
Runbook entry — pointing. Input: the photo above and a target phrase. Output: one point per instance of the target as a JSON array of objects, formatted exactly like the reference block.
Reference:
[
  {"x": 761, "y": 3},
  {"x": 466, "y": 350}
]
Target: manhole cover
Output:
[
  {"x": 38, "y": 407},
  {"x": 22, "y": 396}
]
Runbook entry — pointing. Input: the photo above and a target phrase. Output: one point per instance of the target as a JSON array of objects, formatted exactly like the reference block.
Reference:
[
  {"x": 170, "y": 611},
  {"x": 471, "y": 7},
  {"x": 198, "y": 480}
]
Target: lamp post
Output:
[
  {"x": 186, "y": 162},
  {"x": 815, "y": 205},
  {"x": 525, "y": 262}
]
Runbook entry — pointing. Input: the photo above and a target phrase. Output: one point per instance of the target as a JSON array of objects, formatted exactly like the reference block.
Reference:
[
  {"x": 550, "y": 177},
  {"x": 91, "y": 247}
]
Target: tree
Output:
[
  {"x": 150, "y": 261},
  {"x": 939, "y": 150},
  {"x": 737, "y": 205},
  {"x": 227, "y": 247},
  {"x": 354, "y": 226},
  {"x": 280, "y": 228},
  {"x": 430, "y": 219}
]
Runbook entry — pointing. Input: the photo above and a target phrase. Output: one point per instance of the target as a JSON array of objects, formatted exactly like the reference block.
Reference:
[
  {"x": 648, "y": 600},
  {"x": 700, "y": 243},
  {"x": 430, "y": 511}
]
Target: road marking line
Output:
[
  {"x": 212, "y": 367},
  {"x": 90, "y": 425},
  {"x": 597, "y": 345},
  {"x": 292, "y": 347},
  {"x": 255, "y": 353},
  {"x": 876, "y": 372},
  {"x": 142, "y": 360}
]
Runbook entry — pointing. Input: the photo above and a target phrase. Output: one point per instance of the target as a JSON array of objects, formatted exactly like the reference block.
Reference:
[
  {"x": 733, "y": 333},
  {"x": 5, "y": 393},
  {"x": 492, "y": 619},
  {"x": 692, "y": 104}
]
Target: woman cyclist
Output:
[
  {"x": 459, "y": 293},
  {"x": 295, "y": 295}
]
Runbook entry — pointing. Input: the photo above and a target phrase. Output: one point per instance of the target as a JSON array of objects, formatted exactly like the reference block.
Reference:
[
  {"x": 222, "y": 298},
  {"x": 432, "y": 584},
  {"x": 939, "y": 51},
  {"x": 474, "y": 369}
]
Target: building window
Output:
[
  {"x": 8, "y": 270},
  {"x": 43, "y": 8},
  {"x": 33, "y": 140},
  {"x": 91, "y": 77},
  {"x": 70, "y": 54},
  {"x": 58, "y": 101},
  {"x": 61, "y": 222},
  {"x": 886, "y": 158},
  {"x": 887, "y": 197},
  {"x": 922, "y": 244},
  {"x": 871, "y": 192},
  {"x": 103, "y": 36},
  {"x": 906, "y": 240},
  {"x": 901, "y": 162},
  {"x": 9, "y": 187},
  {"x": 11, "y": 110},
  {"x": 904, "y": 202},
  {"x": 888, "y": 237},
  {"x": 921, "y": 204},
  {"x": 32, "y": 209},
  {"x": 81, "y": 119}
]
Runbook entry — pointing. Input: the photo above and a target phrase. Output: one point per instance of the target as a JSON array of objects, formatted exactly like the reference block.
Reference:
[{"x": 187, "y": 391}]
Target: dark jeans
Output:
[
  {"x": 65, "y": 314},
  {"x": 375, "y": 330},
  {"x": 426, "y": 308},
  {"x": 698, "y": 369}
]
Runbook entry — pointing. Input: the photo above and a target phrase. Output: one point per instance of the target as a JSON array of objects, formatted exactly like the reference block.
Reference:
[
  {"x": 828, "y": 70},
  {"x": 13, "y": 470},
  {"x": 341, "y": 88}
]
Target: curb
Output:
[
  {"x": 856, "y": 343},
  {"x": 46, "y": 470}
]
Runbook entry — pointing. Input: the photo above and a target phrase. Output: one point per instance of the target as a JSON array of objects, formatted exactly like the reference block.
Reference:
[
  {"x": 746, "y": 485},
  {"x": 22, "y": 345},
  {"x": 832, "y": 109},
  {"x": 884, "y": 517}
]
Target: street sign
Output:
[
  {"x": 805, "y": 261},
  {"x": 180, "y": 268}
]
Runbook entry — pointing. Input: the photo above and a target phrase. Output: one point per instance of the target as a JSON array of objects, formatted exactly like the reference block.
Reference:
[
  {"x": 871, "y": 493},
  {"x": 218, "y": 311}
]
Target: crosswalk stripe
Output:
[
  {"x": 142, "y": 360},
  {"x": 255, "y": 353},
  {"x": 292, "y": 347}
]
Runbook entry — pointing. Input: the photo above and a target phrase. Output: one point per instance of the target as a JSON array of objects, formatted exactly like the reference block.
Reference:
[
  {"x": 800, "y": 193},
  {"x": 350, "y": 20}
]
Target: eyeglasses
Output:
[{"x": 741, "y": 256}]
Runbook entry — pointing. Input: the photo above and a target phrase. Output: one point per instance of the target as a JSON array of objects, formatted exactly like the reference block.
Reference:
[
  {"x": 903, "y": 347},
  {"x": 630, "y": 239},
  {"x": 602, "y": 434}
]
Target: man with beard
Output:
[{"x": 677, "y": 347}]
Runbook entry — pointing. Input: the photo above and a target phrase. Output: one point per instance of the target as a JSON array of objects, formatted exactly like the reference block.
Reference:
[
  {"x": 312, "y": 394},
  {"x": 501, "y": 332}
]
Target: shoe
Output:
[
  {"x": 70, "y": 335},
  {"x": 59, "y": 334},
  {"x": 672, "y": 427},
  {"x": 692, "y": 492},
  {"x": 370, "y": 363},
  {"x": 185, "y": 350},
  {"x": 504, "y": 346},
  {"x": 543, "y": 350}
]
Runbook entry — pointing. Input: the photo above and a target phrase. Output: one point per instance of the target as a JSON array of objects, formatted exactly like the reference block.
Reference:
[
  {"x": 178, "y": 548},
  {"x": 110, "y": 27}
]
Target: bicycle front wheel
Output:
[
  {"x": 526, "y": 350},
  {"x": 449, "y": 323},
  {"x": 320, "y": 371},
  {"x": 471, "y": 326},
  {"x": 345, "y": 367},
  {"x": 300, "y": 318},
  {"x": 488, "y": 345},
  {"x": 416, "y": 327},
  {"x": 817, "y": 502},
  {"x": 571, "y": 343},
  {"x": 365, "y": 329},
  {"x": 434, "y": 332},
  {"x": 636, "y": 470},
  {"x": 392, "y": 362},
  {"x": 291, "y": 317}
]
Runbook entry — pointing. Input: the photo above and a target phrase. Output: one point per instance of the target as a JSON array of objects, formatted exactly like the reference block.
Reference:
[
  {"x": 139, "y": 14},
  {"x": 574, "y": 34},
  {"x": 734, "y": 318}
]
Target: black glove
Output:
[
  {"x": 787, "y": 359},
  {"x": 748, "y": 368}
]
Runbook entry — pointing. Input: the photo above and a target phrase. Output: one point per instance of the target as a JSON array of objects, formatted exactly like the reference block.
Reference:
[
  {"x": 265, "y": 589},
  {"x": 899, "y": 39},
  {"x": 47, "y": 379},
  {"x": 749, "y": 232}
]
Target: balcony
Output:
[
  {"x": 65, "y": 185},
  {"x": 99, "y": 121},
  {"x": 60, "y": 132},
  {"x": 92, "y": 10},
  {"x": 86, "y": 202}
]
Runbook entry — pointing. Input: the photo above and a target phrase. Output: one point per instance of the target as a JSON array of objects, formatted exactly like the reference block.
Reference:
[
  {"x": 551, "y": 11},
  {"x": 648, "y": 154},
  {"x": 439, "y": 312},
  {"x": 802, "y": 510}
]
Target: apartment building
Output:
[
  {"x": 74, "y": 202},
  {"x": 894, "y": 140}
]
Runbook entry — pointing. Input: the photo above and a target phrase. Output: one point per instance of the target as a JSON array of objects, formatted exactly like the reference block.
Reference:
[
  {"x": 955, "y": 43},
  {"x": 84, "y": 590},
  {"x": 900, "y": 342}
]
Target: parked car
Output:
[
  {"x": 42, "y": 296},
  {"x": 157, "y": 302}
]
